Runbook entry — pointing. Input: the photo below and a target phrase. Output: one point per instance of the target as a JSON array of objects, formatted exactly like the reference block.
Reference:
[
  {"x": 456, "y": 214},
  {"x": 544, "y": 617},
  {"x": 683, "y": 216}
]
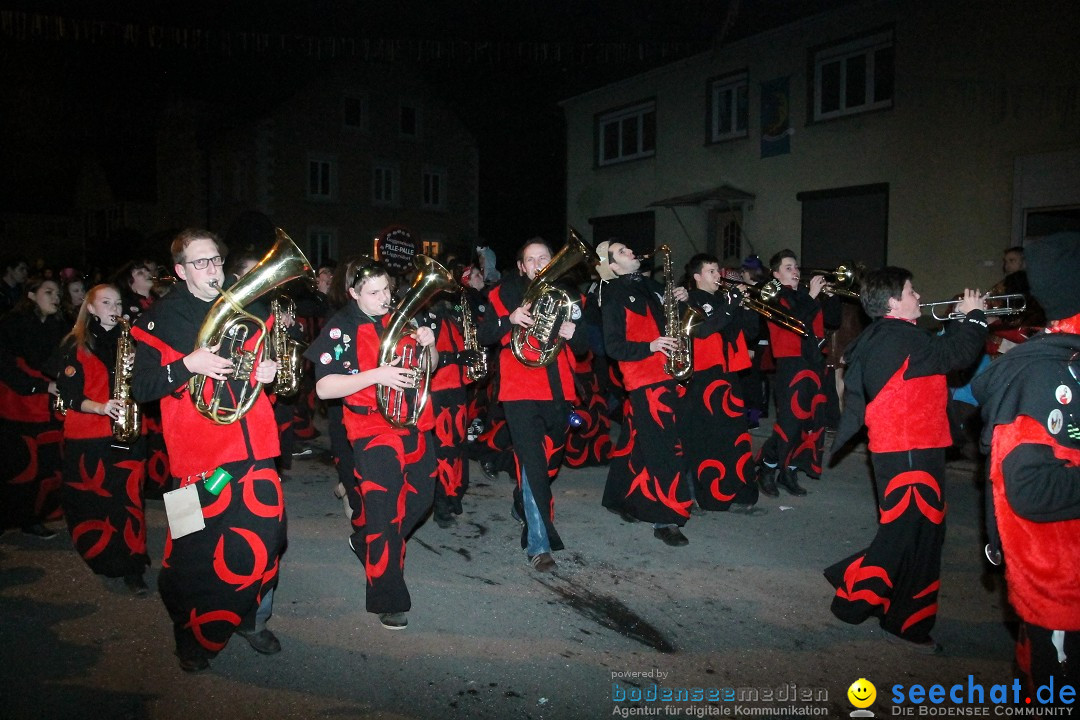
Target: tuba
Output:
[
  {"x": 399, "y": 411},
  {"x": 128, "y": 426},
  {"x": 477, "y": 370},
  {"x": 289, "y": 353},
  {"x": 679, "y": 364},
  {"x": 539, "y": 345},
  {"x": 230, "y": 325}
]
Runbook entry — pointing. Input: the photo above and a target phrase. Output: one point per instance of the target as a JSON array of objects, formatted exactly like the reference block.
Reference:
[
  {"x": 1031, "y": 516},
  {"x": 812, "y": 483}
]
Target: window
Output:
[
  {"x": 384, "y": 184},
  {"x": 731, "y": 237},
  {"x": 409, "y": 125},
  {"x": 432, "y": 247},
  {"x": 322, "y": 178},
  {"x": 355, "y": 112},
  {"x": 434, "y": 192},
  {"x": 728, "y": 107},
  {"x": 322, "y": 245},
  {"x": 627, "y": 134},
  {"x": 854, "y": 76}
]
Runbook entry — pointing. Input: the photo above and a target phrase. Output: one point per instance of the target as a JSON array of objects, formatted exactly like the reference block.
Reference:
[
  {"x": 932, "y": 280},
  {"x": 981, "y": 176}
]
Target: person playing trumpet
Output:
[
  {"x": 895, "y": 386},
  {"x": 394, "y": 475},
  {"x": 712, "y": 419}
]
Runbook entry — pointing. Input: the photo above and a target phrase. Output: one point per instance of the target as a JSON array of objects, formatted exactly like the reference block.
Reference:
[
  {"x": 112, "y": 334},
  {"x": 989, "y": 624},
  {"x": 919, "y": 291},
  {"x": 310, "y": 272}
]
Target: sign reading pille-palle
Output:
[{"x": 396, "y": 247}]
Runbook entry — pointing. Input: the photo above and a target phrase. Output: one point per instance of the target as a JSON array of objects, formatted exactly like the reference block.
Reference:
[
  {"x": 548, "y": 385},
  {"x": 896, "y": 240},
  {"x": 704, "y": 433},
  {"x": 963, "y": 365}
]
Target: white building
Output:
[{"x": 930, "y": 135}]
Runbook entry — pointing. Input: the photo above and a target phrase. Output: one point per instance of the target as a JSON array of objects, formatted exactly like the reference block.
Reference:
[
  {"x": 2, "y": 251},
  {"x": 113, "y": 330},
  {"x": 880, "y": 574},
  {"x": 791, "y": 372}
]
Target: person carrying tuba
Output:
[
  {"x": 230, "y": 464},
  {"x": 537, "y": 399},
  {"x": 395, "y": 462}
]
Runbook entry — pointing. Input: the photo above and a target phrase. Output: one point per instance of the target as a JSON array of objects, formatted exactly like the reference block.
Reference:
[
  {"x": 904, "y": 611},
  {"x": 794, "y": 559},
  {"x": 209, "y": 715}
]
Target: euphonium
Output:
[
  {"x": 228, "y": 324},
  {"x": 478, "y": 369},
  {"x": 680, "y": 363},
  {"x": 289, "y": 353},
  {"x": 539, "y": 344},
  {"x": 398, "y": 410},
  {"x": 128, "y": 426}
]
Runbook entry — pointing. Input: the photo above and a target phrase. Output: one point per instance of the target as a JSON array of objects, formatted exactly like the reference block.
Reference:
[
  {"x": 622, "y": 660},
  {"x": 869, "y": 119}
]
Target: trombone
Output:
[
  {"x": 766, "y": 293},
  {"x": 841, "y": 280},
  {"x": 1011, "y": 304}
]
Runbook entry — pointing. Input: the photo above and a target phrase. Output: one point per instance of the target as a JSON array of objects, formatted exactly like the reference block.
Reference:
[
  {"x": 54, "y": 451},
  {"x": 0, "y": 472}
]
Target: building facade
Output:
[{"x": 923, "y": 134}]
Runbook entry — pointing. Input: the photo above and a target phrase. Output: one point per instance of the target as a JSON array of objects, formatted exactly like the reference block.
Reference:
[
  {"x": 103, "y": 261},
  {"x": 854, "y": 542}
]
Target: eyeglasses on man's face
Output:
[{"x": 201, "y": 263}]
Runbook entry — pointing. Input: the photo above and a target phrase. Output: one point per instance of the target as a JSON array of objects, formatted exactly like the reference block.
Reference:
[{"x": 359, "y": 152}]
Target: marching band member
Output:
[
  {"x": 798, "y": 434},
  {"x": 536, "y": 401},
  {"x": 895, "y": 385},
  {"x": 394, "y": 466},
  {"x": 711, "y": 417},
  {"x": 102, "y": 495},
  {"x": 1029, "y": 402},
  {"x": 647, "y": 475},
  {"x": 30, "y": 431},
  {"x": 218, "y": 580}
]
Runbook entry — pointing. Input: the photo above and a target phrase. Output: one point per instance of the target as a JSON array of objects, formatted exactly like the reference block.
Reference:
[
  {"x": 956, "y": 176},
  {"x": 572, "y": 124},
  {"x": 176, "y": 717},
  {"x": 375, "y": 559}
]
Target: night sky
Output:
[{"x": 66, "y": 98}]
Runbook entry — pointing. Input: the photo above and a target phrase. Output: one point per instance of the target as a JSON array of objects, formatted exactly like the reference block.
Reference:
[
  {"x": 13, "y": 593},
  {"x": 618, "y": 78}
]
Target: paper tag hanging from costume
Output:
[{"x": 184, "y": 511}]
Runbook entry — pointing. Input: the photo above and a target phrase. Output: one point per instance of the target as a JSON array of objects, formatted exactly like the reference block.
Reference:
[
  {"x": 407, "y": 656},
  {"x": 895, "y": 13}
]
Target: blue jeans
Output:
[{"x": 537, "y": 538}]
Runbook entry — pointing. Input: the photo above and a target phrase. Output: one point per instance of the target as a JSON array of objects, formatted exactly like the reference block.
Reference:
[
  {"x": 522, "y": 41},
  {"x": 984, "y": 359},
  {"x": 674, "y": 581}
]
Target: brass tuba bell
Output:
[
  {"x": 398, "y": 410},
  {"x": 230, "y": 325},
  {"x": 539, "y": 344}
]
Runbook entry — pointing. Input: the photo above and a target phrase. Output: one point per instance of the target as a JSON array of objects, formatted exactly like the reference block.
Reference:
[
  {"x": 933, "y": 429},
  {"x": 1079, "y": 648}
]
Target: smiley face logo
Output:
[{"x": 862, "y": 693}]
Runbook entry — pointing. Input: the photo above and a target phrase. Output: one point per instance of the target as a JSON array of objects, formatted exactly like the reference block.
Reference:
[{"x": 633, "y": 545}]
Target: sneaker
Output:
[
  {"x": 263, "y": 641},
  {"x": 303, "y": 451},
  {"x": 923, "y": 647},
  {"x": 671, "y": 536},
  {"x": 136, "y": 585},
  {"x": 39, "y": 531},
  {"x": 394, "y": 621},
  {"x": 543, "y": 562}
]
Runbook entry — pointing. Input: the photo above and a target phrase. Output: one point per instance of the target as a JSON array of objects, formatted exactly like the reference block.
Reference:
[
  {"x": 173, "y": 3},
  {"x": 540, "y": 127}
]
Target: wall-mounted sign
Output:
[{"x": 396, "y": 247}]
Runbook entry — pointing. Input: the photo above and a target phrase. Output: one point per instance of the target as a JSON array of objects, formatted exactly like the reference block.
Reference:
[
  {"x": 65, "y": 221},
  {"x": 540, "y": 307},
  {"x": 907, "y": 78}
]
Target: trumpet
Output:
[
  {"x": 763, "y": 303},
  {"x": 841, "y": 280},
  {"x": 1011, "y": 304}
]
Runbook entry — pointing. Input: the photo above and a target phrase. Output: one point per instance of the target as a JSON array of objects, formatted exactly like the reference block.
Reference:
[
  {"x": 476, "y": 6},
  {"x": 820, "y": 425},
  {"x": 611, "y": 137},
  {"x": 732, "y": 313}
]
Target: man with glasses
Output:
[{"x": 220, "y": 579}]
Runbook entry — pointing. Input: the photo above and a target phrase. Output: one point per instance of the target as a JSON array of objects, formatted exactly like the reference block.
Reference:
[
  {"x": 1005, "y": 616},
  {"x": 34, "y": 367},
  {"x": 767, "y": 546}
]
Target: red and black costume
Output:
[
  {"x": 219, "y": 579},
  {"x": 394, "y": 478},
  {"x": 449, "y": 403},
  {"x": 895, "y": 385},
  {"x": 798, "y": 433},
  {"x": 1030, "y": 399},
  {"x": 102, "y": 496},
  {"x": 158, "y": 474},
  {"x": 536, "y": 401},
  {"x": 712, "y": 415},
  {"x": 647, "y": 475},
  {"x": 30, "y": 432}
]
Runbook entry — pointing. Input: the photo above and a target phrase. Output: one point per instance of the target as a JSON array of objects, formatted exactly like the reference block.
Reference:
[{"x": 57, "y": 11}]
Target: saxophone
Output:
[
  {"x": 288, "y": 352},
  {"x": 680, "y": 363},
  {"x": 128, "y": 426},
  {"x": 477, "y": 369}
]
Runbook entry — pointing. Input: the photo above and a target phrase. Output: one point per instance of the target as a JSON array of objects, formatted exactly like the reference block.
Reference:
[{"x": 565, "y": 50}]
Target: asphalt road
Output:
[{"x": 744, "y": 606}]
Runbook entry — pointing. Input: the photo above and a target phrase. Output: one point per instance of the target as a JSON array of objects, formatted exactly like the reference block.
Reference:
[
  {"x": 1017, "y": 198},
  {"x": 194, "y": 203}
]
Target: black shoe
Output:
[
  {"x": 39, "y": 531},
  {"x": 767, "y": 481},
  {"x": 696, "y": 509},
  {"x": 487, "y": 466},
  {"x": 543, "y": 562},
  {"x": 444, "y": 519},
  {"x": 671, "y": 536},
  {"x": 193, "y": 664},
  {"x": 394, "y": 621},
  {"x": 263, "y": 641},
  {"x": 789, "y": 480},
  {"x": 136, "y": 585}
]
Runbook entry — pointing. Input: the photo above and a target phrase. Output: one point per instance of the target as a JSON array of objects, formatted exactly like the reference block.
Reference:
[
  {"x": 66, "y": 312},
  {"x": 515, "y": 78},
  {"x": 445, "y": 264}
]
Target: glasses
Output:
[{"x": 201, "y": 263}]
